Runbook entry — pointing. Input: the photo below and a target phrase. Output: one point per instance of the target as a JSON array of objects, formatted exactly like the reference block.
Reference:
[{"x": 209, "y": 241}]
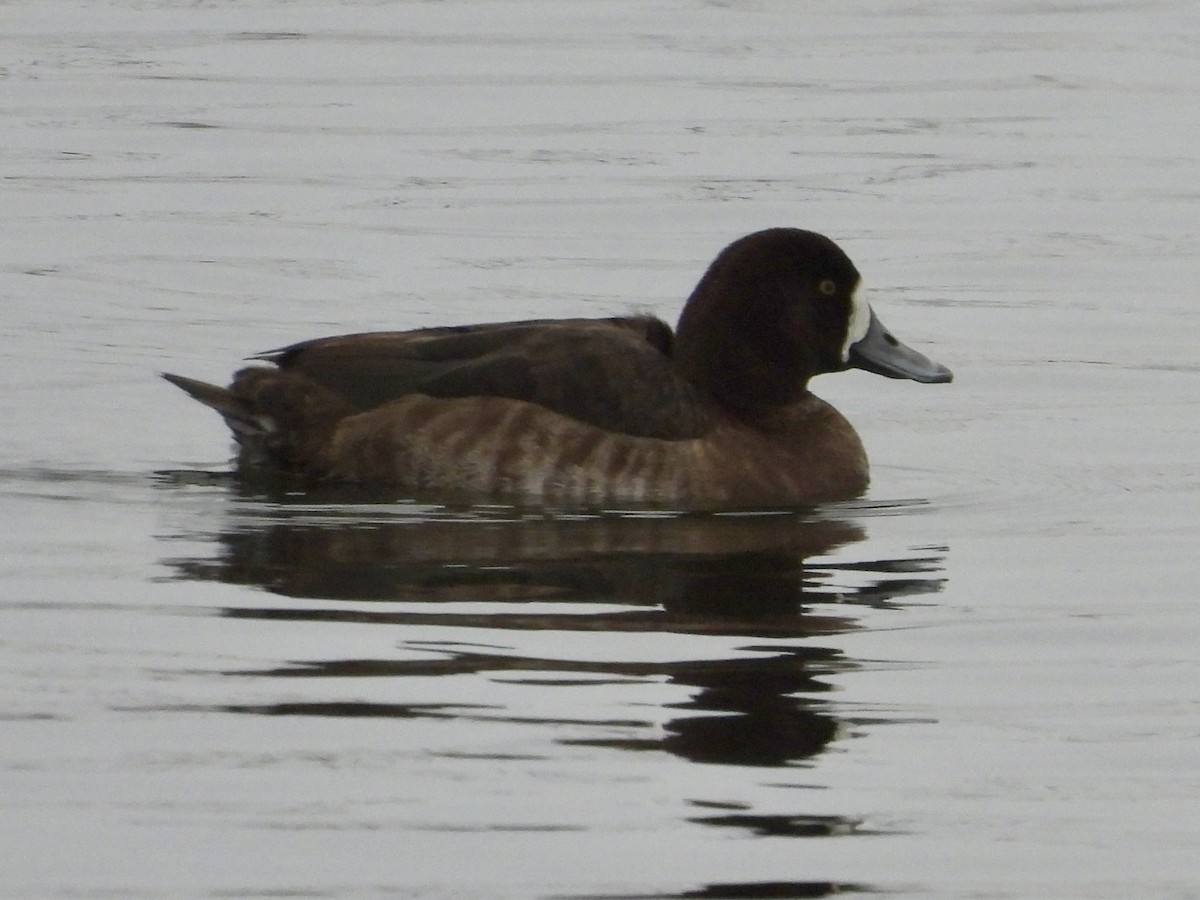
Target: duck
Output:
[{"x": 713, "y": 414}]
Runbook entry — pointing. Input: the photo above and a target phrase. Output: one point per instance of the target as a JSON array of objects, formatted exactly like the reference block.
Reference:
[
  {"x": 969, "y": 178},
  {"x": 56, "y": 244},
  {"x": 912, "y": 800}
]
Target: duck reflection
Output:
[{"x": 765, "y": 585}]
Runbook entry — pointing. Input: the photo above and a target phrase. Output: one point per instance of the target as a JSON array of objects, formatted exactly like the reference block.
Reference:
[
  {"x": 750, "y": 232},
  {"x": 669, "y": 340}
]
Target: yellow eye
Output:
[{"x": 827, "y": 287}]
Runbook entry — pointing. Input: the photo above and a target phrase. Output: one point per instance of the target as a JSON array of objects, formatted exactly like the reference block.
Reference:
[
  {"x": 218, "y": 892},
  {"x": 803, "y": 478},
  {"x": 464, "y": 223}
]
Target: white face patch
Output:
[{"x": 859, "y": 322}]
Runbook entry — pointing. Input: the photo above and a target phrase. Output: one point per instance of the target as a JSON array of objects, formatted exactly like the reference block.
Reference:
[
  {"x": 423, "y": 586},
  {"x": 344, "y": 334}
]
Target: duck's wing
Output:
[{"x": 613, "y": 373}]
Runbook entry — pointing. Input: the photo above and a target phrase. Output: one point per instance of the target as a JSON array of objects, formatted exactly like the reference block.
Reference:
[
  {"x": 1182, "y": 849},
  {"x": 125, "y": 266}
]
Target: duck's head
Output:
[{"x": 778, "y": 307}]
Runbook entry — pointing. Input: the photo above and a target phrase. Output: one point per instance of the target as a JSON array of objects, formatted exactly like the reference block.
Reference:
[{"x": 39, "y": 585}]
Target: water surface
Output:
[{"x": 979, "y": 680}]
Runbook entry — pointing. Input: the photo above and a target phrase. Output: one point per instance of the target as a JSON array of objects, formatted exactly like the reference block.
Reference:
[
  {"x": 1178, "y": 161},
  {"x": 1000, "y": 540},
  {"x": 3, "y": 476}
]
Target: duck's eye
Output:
[{"x": 828, "y": 287}]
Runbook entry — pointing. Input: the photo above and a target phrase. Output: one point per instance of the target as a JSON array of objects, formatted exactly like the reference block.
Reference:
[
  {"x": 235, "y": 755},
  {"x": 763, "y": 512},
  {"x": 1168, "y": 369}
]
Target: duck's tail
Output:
[
  {"x": 242, "y": 419},
  {"x": 277, "y": 417}
]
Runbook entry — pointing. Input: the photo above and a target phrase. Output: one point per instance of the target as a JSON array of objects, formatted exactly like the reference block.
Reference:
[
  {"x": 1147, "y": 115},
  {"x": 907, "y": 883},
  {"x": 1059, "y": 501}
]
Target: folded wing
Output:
[{"x": 613, "y": 373}]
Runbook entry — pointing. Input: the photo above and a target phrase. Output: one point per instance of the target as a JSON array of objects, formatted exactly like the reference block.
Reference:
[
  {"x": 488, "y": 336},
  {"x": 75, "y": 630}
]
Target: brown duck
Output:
[{"x": 716, "y": 414}]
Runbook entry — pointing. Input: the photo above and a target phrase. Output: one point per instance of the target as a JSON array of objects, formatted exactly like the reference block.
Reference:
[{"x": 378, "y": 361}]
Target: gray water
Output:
[{"x": 980, "y": 680}]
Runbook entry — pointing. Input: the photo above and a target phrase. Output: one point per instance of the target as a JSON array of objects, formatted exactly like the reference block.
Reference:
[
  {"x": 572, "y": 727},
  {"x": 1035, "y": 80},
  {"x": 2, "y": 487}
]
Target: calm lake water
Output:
[{"x": 981, "y": 680}]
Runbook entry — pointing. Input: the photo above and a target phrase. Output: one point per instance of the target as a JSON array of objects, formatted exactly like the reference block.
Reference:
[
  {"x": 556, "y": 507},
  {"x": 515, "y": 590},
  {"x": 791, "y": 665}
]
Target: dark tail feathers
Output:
[
  {"x": 278, "y": 418},
  {"x": 239, "y": 415}
]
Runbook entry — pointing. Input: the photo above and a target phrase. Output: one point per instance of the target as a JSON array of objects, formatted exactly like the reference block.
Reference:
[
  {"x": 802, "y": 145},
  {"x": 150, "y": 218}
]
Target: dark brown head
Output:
[{"x": 776, "y": 308}]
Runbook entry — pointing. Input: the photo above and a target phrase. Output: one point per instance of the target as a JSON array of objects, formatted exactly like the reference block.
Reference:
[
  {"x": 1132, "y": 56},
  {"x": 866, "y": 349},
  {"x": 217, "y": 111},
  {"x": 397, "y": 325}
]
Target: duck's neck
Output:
[{"x": 741, "y": 364}]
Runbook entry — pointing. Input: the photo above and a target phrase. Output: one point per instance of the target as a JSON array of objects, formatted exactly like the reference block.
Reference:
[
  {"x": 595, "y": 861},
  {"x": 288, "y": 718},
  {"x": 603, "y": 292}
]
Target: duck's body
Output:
[{"x": 584, "y": 411}]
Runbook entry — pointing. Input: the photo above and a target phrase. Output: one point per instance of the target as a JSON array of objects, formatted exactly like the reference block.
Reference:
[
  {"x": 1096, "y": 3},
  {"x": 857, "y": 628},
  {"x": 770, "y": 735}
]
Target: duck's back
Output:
[{"x": 613, "y": 373}]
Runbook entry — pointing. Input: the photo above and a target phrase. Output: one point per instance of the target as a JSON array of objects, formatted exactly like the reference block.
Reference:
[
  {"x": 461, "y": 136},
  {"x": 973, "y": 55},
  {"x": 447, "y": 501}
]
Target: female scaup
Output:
[{"x": 593, "y": 411}]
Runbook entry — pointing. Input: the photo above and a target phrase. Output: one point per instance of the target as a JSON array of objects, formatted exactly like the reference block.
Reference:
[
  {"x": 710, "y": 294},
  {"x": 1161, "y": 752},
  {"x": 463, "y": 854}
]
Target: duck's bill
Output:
[{"x": 877, "y": 351}]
